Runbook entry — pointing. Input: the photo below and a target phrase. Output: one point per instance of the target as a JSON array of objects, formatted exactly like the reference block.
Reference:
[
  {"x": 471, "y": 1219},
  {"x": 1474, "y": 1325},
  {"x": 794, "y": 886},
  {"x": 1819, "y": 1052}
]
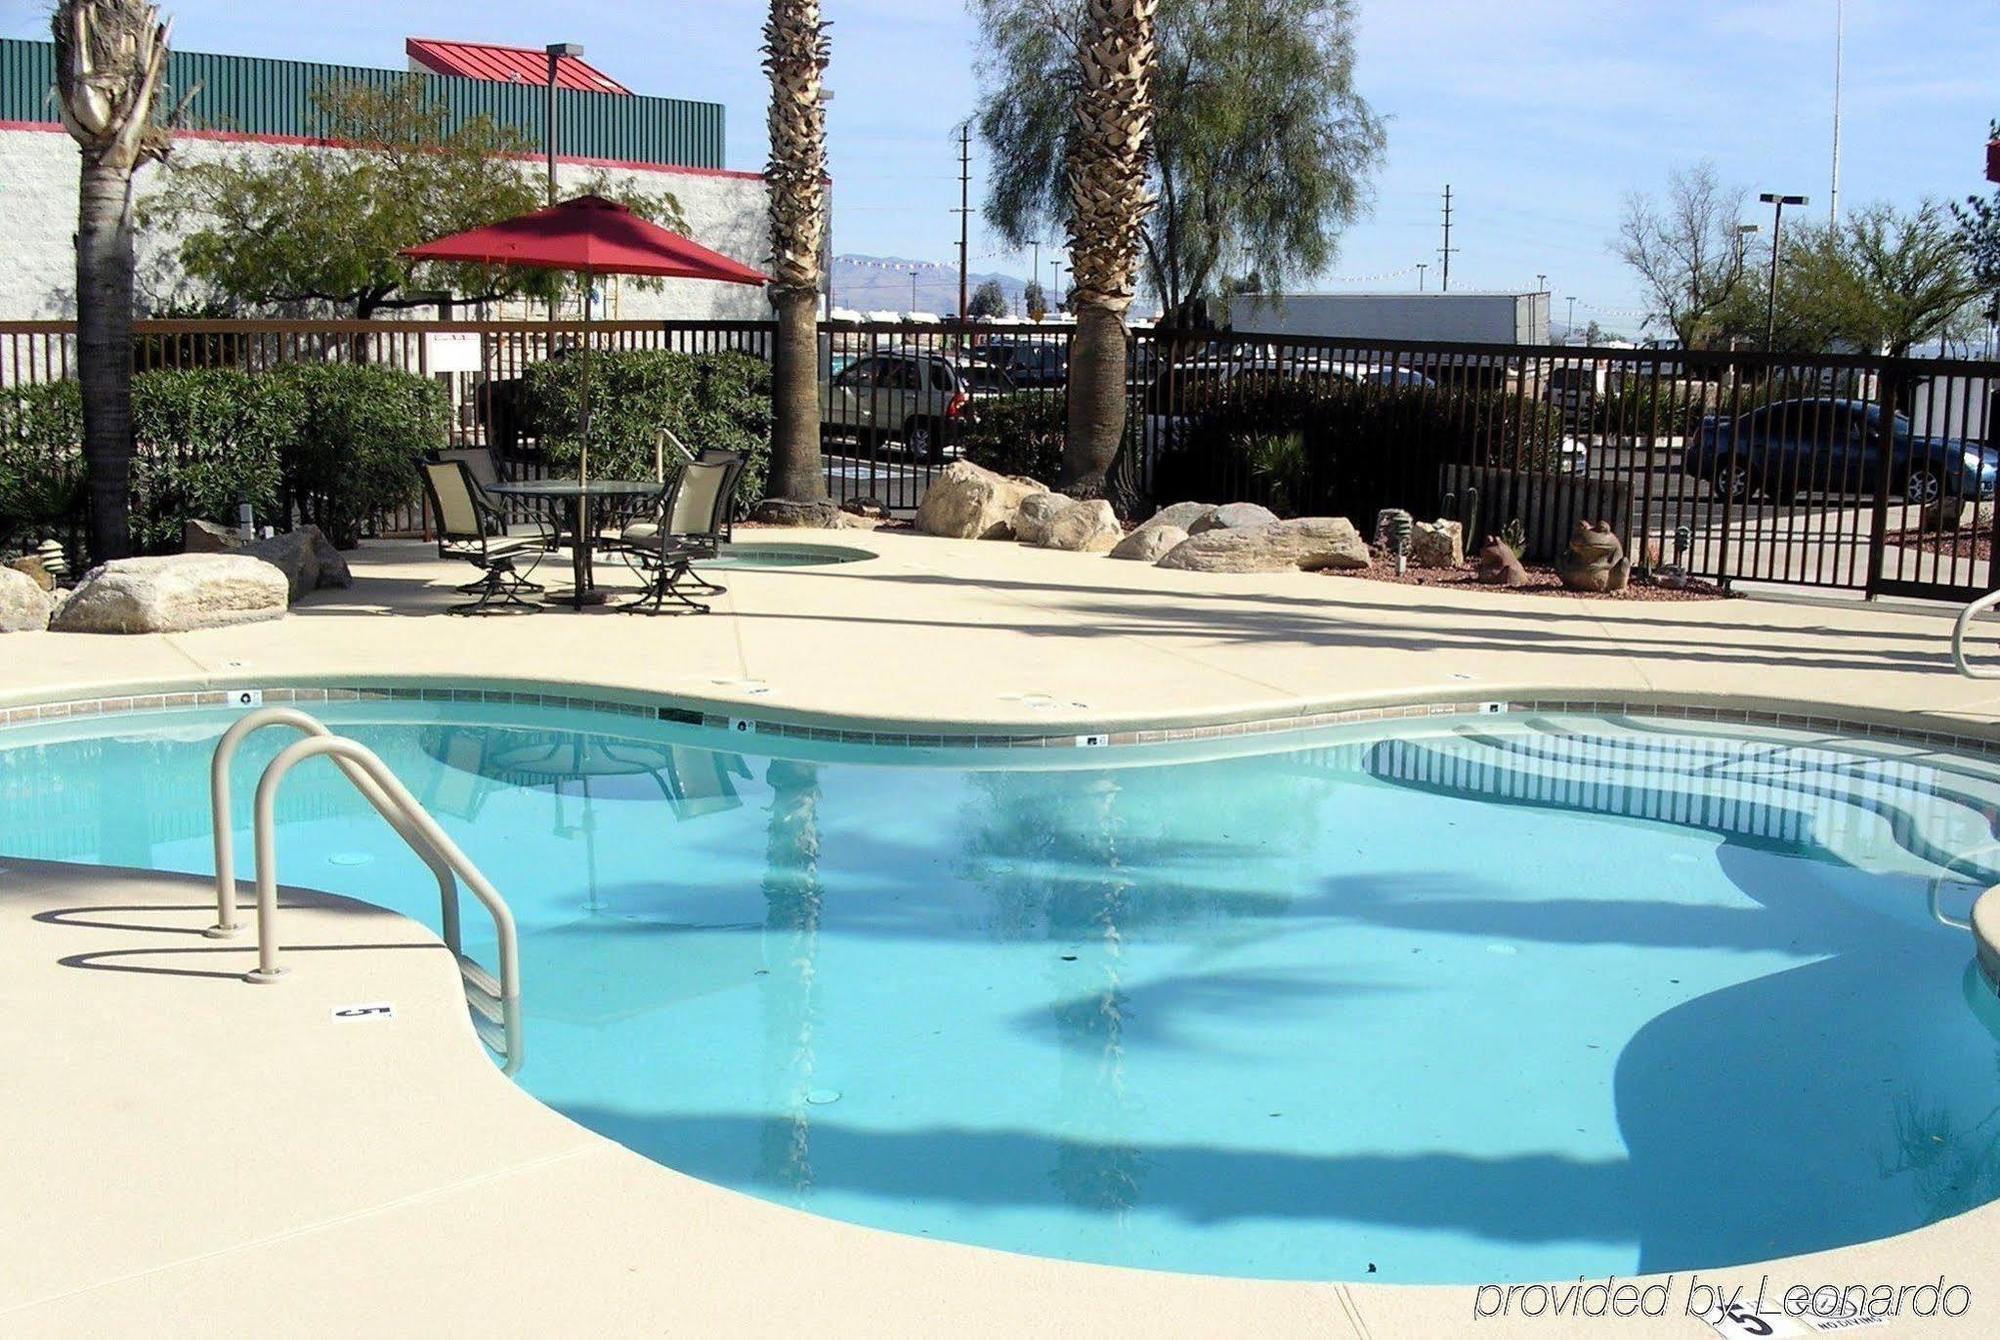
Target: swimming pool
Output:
[{"x": 1493, "y": 999}]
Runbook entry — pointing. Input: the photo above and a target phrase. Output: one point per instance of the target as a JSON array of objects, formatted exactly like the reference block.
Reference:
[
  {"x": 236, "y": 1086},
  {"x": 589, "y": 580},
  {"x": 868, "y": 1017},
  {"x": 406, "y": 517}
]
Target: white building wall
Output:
[{"x": 38, "y": 181}]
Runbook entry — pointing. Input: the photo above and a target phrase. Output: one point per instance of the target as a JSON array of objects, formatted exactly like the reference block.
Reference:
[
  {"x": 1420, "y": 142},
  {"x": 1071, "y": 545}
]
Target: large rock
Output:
[
  {"x": 966, "y": 502},
  {"x": 1182, "y": 516},
  {"x": 1149, "y": 543},
  {"x": 1308, "y": 543},
  {"x": 1232, "y": 516},
  {"x": 24, "y": 605},
  {"x": 1089, "y": 527},
  {"x": 174, "y": 594},
  {"x": 36, "y": 570},
  {"x": 820, "y": 515},
  {"x": 306, "y": 557},
  {"x": 1037, "y": 512},
  {"x": 1437, "y": 544}
]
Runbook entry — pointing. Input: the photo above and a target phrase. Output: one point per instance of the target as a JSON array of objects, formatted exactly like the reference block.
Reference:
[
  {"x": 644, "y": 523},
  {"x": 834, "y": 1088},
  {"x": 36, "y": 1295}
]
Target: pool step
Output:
[{"x": 483, "y": 999}]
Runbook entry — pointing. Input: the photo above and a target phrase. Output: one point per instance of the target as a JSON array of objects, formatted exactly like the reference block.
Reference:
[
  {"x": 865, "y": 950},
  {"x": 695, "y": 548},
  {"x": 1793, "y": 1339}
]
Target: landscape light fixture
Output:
[
  {"x": 556, "y": 52},
  {"x": 1777, "y": 204}
]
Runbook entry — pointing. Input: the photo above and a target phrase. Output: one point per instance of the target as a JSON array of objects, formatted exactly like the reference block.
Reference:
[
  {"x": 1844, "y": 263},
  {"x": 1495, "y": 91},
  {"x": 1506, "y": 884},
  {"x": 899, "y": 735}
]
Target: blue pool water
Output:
[{"x": 1493, "y": 999}]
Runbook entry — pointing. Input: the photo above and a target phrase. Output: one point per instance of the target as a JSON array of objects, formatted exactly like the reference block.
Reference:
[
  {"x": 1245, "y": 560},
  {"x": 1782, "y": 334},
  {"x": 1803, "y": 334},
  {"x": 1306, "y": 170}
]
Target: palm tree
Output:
[
  {"x": 795, "y": 54},
  {"x": 111, "y": 59},
  {"x": 1109, "y": 159}
]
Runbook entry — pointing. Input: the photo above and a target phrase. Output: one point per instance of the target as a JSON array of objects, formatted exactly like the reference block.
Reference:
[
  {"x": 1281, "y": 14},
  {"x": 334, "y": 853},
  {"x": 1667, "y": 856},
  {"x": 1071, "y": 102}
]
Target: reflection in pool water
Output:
[{"x": 1521, "y": 999}]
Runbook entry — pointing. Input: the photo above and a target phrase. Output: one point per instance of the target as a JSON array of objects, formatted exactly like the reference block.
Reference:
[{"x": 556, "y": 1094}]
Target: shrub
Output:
[
  {"x": 1019, "y": 434},
  {"x": 707, "y": 400},
  {"x": 337, "y": 443},
  {"x": 41, "y": 460},
  {"x": 350, "y": 438},
  {"x": 1329, "y": 446},
  {"x": 207, "y": 442}
]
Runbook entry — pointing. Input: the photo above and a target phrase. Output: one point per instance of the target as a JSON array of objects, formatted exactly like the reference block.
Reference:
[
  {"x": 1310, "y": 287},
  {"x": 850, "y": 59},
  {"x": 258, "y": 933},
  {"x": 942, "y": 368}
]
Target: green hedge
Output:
[
  {"x": 330, "y": 443},
  {"x": 352, "y": 437},
  {"x": 708, "y": 400},
  {"x": 1020, "y": 434},
  {"x": 1329, "y": 446}
]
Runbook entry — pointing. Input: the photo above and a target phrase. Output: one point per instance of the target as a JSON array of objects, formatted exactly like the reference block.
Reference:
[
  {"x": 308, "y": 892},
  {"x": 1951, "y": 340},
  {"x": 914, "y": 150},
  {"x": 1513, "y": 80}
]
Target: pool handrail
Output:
[
  {"x": 226, "y": 925},
  {"x": 387, "y": 795},
  {"x": 1959, "y": 630},
  {"x": 1938, "y": 913}
]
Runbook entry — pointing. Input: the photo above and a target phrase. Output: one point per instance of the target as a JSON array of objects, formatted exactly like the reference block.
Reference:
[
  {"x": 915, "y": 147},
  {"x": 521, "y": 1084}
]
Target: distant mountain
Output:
[{"x": 882, "y": 283}]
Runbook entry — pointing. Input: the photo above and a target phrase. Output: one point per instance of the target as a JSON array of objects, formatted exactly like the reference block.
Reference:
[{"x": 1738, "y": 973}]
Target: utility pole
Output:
[
  {"x": 1447, "y": 249},
  {"x": 1035, "y": 276},
  {"x": 913, "y": 290},
  {"x": 1839, "y": 71},
  {"x": 1569, "y": 330},
  {"x": 1421, "y": 267},
  {"x": 964, "y": 212},
  {"x": 1777, "y": 203}
]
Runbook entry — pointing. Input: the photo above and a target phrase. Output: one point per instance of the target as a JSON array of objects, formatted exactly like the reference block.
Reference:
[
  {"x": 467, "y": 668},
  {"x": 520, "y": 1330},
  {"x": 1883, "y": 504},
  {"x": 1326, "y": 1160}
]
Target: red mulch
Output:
[
  {"x": 1971, "y": 544},
  {"x": 1542, "y": 581}
]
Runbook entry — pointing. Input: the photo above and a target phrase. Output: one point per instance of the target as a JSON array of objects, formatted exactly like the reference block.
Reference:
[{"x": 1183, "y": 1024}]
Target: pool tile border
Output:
[{"x": 1710, "y": 713}]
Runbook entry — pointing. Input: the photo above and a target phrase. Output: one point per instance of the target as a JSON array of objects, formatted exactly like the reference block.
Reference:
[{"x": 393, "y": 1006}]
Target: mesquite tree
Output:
[
  {"x": 1110, "y": 158},
  {"x": 111, "y": 60},
  {"x": 795, "y": 54}
]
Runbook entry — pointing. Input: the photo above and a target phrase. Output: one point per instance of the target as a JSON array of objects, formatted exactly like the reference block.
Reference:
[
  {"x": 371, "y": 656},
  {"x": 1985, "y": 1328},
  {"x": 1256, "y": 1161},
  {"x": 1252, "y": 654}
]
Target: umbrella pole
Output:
[{"x": 588, "y": 361}]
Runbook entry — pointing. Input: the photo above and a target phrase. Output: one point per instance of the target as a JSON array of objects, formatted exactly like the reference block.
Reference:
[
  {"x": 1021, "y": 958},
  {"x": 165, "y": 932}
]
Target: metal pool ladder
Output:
[
  {"x": 1964, "y": 625},
  {"x": 495, "y": 1004}
]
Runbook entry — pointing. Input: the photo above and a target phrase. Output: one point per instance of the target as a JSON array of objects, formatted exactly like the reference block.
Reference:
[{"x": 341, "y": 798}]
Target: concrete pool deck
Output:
[{"x": 187, "y": 1155}]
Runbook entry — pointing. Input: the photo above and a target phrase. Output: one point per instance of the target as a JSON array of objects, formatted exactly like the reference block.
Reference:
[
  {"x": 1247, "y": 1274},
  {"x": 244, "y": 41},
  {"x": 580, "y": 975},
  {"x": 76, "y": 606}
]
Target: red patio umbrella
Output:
[{"x": 592, "y": 236}]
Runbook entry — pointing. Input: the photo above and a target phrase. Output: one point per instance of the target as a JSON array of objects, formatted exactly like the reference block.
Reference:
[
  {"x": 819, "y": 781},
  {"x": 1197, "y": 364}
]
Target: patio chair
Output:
[
  {"x": 484, "y": 464},
  {"x": 696, "y": 509},
  {"x": 466, "y": 531}
]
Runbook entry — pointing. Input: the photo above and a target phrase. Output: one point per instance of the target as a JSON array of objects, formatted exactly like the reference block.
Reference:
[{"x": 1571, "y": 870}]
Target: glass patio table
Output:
[{"x": 584, "y": 500}]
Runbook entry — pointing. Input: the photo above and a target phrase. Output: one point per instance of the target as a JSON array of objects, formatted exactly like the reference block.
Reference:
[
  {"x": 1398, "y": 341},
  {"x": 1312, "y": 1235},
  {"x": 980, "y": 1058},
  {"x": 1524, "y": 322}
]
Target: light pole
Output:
[
  {"x": 1055, "y": 297},
  {"x": 1569, "y": 328},
  {"x": 556, "y": 52},
  {"x": 1421, "y": 267},
  {"x": 1777, "y": 204},
  {"x": 1541, "y": 283}
]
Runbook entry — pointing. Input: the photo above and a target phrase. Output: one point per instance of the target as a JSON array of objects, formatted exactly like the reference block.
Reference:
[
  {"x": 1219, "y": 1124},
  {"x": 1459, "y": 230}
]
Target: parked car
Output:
[
  {"x": 1029, "y": 363},
  {"x": 914, "y": 397},
  {"x": 1832, "y": 446}
]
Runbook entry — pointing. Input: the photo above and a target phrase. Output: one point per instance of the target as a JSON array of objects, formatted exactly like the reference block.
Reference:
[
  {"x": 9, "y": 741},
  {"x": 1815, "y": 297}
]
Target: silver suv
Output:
[{"x": 916, "y": 398}]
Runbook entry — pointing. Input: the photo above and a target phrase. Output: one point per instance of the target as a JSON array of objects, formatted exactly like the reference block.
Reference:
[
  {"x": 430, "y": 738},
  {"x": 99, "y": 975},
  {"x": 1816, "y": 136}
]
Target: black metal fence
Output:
[{"x": 1855, "y": 472}]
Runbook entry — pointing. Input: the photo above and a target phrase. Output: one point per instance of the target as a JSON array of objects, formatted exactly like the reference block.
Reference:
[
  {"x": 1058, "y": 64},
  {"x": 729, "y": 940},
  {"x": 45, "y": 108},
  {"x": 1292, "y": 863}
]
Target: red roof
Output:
[
  {"x": 508, "y": 65},
  {"x": 592, "y": 234}
]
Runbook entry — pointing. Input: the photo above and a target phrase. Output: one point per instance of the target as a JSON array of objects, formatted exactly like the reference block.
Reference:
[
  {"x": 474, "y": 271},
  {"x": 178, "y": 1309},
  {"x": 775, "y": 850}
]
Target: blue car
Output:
[{"x": 1832, "y": 446}]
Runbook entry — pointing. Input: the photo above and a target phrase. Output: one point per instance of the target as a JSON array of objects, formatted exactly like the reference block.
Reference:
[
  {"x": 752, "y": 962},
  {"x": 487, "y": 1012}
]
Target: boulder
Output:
[
  {"x": 1037, "y": 512},
  {"x": 1088, "y": 527},
  {"x": 1234, "y": 516},
  {"x": 1308, "y": 543},
  {"x": 24, "y": 605},
  {"x": 1437, "y": 544},
  {"x": 855, "y": 521},
  {"x": 174, "y": 594},
  {"x": 1149, "y": 543},
  {"x": 1956, "y": 512},
  {"x": 1182, "y": 516},
  {"x": 1498, "y": 564},
  {"x": 967, "y": 502},
  {"x": 871, "y": 507},
  {"x": 1595, "y": 561},
  {"x": 821, "y": 515},
  {"x": 36, "y": 569},
  {"x": 306, "y": 557}
]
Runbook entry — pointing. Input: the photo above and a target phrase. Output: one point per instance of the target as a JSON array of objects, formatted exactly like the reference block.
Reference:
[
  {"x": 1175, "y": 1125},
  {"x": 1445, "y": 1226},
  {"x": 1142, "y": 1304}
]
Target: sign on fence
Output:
[{"x": 452, "y": 351}]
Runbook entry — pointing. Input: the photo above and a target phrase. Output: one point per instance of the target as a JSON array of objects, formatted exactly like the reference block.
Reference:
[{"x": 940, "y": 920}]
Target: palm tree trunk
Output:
[
  {"x": 795, "y": 55},
  {"x": 1109, "y": 165},
  {"x": 104, "y": 263},
  {"x": 797, "y": 471}
]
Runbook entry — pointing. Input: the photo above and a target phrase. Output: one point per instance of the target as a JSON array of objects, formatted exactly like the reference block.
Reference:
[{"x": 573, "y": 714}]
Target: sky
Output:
[{"x": 1542, "y": 115}]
